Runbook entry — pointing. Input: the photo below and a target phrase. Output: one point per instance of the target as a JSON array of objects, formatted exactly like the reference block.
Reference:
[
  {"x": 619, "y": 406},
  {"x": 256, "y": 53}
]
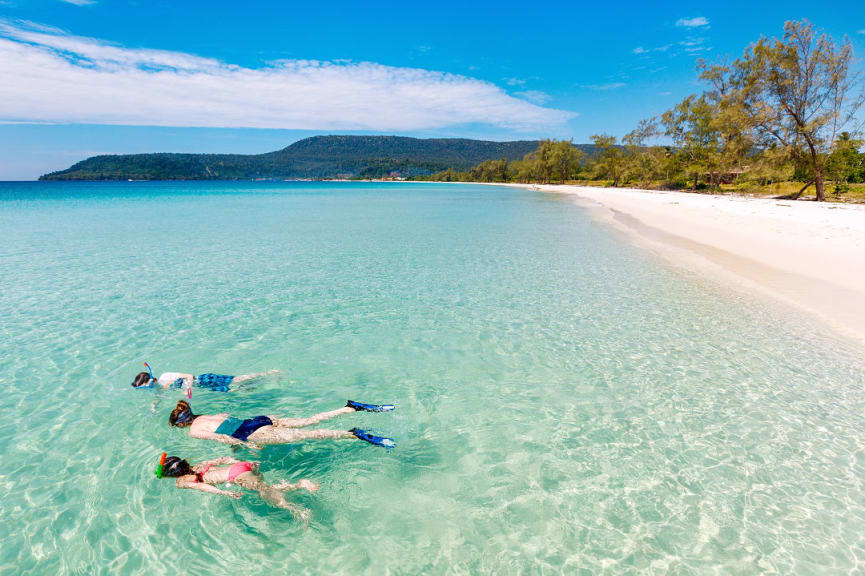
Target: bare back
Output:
[{"x": 204, "y": 425}]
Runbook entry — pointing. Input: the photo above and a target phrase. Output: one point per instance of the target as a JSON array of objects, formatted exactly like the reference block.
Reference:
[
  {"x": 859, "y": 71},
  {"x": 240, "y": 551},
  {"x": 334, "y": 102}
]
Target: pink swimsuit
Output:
[{"x": 236, "y": 470}]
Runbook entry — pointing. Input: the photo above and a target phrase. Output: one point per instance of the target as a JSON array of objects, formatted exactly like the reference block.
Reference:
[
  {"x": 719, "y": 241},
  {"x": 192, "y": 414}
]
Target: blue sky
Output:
[{"x": 86, "y": 77}]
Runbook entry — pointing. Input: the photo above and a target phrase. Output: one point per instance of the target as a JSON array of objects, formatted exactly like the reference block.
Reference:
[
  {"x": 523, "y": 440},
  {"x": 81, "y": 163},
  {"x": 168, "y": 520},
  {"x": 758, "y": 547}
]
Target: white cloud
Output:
[
  {"x": 80, "y": 2},
  {"x": 861, "y": 31},
  {"x": 604, "y": 87},
  {"x": 50, "y": 76},
  {"x": 642, "y": 50},
  {"x": 696, "y": 22},
  {"x": 534, "y": 96}
]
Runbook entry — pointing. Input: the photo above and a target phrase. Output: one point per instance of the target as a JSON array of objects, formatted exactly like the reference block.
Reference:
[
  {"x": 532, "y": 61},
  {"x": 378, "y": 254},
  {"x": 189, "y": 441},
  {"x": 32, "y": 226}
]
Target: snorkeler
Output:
[
  {"x": 204, "y": 475},
  {"x": 264, "y": 430},
  {"x": 215, "y": 382}
]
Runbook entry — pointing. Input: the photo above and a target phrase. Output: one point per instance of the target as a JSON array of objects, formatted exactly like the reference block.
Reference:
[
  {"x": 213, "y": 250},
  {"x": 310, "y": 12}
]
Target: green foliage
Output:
[
  {"x": 316, "y": 157},
  {"x": 692, "y": 125},
  {"x": 551, "y": 161},
  {"x": 798, "y": 92},
  {"x": 845, "y": 165},
  {"x": 610, "y": 160}
]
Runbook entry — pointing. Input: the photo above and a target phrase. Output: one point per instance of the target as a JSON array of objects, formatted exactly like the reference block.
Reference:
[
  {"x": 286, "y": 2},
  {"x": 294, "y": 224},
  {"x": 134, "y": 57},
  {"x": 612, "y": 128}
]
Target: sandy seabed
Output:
[{"x": 809, "y": 254}]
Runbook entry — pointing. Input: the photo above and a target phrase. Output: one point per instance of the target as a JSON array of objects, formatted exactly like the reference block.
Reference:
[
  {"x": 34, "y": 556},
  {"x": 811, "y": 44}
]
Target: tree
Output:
[
  {"x": 844, "y": 164},
  {"x": 693, "y": 128},
  {"x": 610, "y": 161},
  {"x": 798, "y": 91},
  {"x": 564, "y": 160},
  {"x": 643, "y": 162},
  {"x": 491, "y": 171}
]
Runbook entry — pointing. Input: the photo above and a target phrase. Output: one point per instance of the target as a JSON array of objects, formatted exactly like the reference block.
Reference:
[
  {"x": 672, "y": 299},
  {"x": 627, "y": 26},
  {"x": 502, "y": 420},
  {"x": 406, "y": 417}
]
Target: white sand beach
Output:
[{"x": 809, "y": 254}]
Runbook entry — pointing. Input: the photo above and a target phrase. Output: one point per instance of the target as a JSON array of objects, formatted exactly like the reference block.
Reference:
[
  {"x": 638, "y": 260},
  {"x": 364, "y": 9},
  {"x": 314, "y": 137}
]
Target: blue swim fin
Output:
[
  {"x": 361, "y": 407},
  {"x": 376, "y": 440}
]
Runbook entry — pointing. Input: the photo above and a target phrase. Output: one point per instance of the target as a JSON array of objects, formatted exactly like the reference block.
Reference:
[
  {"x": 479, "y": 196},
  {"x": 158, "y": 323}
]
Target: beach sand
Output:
[{"x": 809, "y": 254}]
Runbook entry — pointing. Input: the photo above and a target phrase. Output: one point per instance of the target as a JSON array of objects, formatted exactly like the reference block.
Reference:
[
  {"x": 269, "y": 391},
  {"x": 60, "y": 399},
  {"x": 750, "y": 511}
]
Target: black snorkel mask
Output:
[
  {"x": 174, "y": 467},
  {"x": 184, "y": 417}
]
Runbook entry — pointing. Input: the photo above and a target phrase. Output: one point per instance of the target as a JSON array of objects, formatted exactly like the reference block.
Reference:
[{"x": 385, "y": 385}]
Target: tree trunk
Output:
[
  {"x": 818, "y": 171},
  {"x": 818, "y": 184},
  {"x": 802, "y": 189},
  {"x": 695, "y": 182}
]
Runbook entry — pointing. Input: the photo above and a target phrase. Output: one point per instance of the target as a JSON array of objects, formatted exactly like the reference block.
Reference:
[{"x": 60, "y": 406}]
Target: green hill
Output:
[{"x": 316, "y": 157}]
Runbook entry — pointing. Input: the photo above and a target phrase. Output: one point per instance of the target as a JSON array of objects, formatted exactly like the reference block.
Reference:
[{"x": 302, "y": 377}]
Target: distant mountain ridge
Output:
[{"x": 315, "y": 157}]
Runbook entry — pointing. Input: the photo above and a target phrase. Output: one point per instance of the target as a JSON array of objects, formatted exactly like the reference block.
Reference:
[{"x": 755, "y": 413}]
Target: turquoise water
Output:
[{"x": 565, "y": 402}]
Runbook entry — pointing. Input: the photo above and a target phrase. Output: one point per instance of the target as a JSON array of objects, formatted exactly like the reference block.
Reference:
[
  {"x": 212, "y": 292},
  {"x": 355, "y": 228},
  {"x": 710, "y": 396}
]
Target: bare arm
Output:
[{"x": 206, "y": 488}]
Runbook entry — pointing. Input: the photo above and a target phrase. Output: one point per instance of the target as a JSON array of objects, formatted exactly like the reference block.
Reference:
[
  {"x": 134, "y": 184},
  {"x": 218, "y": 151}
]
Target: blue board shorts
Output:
[
  {"x": 241, "y": 429},
  {"x": 215, "y": 382}
]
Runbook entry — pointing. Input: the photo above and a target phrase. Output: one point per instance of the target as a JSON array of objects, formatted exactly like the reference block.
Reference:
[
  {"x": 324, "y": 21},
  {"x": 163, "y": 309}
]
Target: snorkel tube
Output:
[
  {"x": 149, "y": 371},
  {"x": 158, "y": 470}
]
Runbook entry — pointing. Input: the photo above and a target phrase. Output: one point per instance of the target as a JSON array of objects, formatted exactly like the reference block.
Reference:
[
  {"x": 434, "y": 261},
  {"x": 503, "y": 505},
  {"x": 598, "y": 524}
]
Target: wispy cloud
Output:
[
  {"x": 514, "y": 81},
  {"x": 535, "y": 96},
  {"x": 861, "y": 31},
  {"x": 694, "y": 44},
  {"x": 604, "y": 87},
  {"x": 80, "y": 2},
  {"x": 642, "y": 50},
  {"x": 51, "y": 76},
  {"x": 696, "y": 22}
]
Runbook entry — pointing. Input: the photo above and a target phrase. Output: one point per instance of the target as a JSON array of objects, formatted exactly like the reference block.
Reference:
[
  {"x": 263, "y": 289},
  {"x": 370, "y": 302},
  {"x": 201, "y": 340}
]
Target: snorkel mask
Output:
[
  {"x": 150, "y": 372},
  {"x": 184, "y": 417}
]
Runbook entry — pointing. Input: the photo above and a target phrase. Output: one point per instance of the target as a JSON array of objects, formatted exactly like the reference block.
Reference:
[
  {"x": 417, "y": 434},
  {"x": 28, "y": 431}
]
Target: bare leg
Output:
[
  {"x": 304, "y": 484},
  {"x": 272, "y": 495},
  {"x": 280, "y": 435},
  {"x": 245, "y": 377},
  {"x": 301, "y": 422}
]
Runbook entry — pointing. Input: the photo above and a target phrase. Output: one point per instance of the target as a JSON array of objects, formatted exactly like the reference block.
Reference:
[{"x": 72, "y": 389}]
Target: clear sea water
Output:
[{"x": 566, "y": 402}]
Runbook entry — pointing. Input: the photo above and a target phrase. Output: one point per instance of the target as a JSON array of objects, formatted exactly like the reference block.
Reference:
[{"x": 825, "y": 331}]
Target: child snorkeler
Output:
[
  {"x": 215, "y": 382},
  {"x": 204, "y": 475}
]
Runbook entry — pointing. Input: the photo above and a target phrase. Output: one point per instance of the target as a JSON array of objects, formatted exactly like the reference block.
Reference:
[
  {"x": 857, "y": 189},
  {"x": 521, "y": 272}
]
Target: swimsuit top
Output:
[{"x": 199, "y": 477}]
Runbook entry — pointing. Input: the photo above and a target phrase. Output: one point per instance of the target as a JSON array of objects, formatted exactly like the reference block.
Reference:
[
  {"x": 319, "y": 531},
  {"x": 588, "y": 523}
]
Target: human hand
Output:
[{"x": 308, "y": 485}]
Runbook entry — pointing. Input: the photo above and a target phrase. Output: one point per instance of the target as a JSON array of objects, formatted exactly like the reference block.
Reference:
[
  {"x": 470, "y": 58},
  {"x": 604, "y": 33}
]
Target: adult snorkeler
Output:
[
  {"x": 264, "y": 430},
  {"x": 204, "y": 475}
]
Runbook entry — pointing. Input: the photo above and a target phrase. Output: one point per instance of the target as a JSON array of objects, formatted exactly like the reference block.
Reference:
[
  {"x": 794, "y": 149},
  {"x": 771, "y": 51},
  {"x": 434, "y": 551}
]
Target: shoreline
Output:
[{"x": 808, "y": 254}]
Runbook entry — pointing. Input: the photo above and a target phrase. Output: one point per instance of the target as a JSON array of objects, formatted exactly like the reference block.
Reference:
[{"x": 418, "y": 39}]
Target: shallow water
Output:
[{"x": 564, "y": 401}]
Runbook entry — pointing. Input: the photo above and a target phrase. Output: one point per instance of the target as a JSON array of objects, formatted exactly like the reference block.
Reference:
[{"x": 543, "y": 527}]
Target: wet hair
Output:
[
  {"x": 142, "y": 379},
  {"x": 175, "y": 467},
  {"x": 182, "y": 415}
]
